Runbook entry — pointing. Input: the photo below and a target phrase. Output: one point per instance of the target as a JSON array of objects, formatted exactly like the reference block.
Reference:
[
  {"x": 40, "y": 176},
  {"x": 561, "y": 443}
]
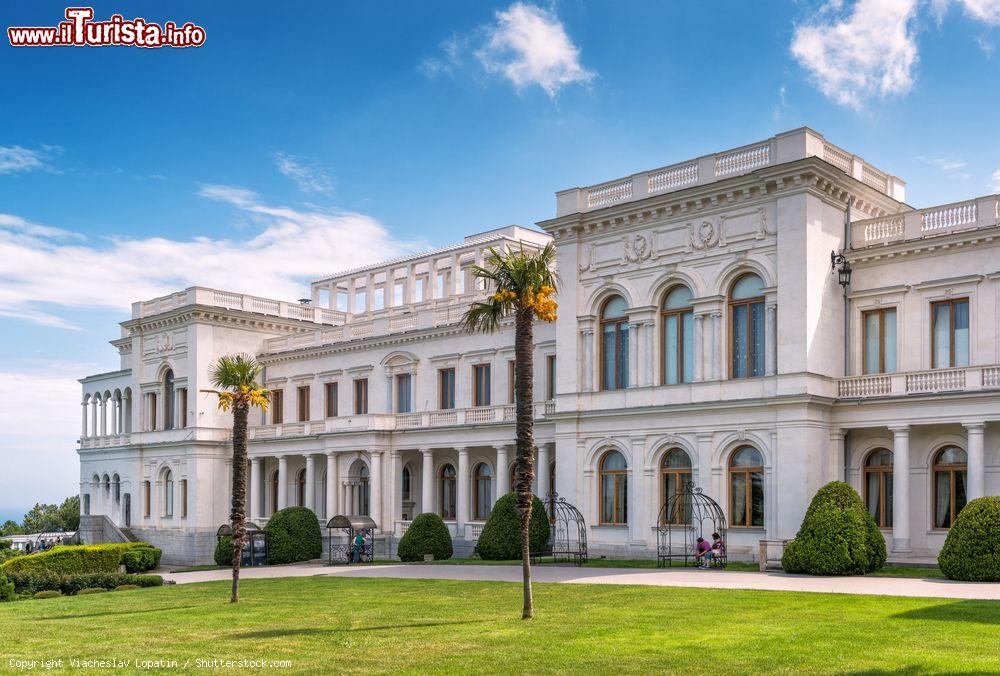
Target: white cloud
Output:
[
  {"x": 15, "y": 159},
  {"x": 781, "y": 105},
  {"x": 951, "y": 166},
  {"x": 529, "y": 46},
  {"x": 309, "y": 177},
  {"x": 451, "y": 58},
  {"x": 47, "y": 269},
  {"x": 869, "y": 51},
  {"x": 986, "y": 45},
  {"x": 987, "y": 11},
  {"x": 995, "y": 181}
]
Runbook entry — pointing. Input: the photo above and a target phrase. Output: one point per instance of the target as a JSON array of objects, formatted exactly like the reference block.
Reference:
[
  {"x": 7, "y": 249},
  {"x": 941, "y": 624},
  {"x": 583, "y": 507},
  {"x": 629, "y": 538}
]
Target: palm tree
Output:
[
  {"x": 523, "y": 284},
  {"x": 235, "y": 378}
]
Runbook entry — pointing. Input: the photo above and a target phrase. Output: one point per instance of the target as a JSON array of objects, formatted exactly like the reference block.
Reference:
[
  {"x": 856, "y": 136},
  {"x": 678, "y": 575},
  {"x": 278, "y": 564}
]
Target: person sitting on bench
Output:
[
  {"x": 718, "y": 547},
  {"x": 702, "y": 553}
]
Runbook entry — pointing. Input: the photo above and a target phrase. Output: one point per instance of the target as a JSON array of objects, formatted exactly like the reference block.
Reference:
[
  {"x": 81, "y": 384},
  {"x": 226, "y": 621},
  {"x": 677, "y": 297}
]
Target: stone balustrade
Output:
[
  {"x": 976, "y": 213},
  {"x": 198, "y": 295},
  {"x": 967, "y": 379}
]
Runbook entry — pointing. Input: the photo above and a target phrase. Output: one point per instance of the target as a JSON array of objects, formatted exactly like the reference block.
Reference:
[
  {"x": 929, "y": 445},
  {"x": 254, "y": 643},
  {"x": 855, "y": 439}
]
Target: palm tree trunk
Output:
[
  {"x": 238, "y": 516},
  {"x": 525, "y": 464}
]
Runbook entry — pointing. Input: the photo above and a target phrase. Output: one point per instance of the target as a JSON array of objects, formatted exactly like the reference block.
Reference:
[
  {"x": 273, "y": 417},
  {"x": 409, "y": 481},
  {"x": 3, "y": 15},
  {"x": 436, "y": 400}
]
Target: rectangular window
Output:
[
  {"x": 182, "y": 407},
  {"x": 481, "y": 385},
  {"x": 419, "y": 295},
  {"x": 342, "y": 301},
  {"x": 152, "y": 412},
  {"x": 550, "y": 377},
  {"x": 184, "y": 498},
  {"x": 146, "y": 498},
  {"x": 277, "y": 406},
  {"x": 446, "y": 388},
  {"x": 440, "y": 279},
  {"x": 302, "y": 403},
  {"x": 378, "y": 299},
  {"x": 361, "y": 301},
  {"x": 950, "y": 333},
  {"x": 86, "y": 503},
  {"x": 330, "y": 390},
  {"x": 404, "y": 393},
  {"x": 879, "y": 340},
  {"x": 510, "y": 381},
  {"x": 397, "y": 293},
  {"x": 747, "y": 344},
  {"x": 361, "y": 396},
  {"x": 678, "y": 347}
]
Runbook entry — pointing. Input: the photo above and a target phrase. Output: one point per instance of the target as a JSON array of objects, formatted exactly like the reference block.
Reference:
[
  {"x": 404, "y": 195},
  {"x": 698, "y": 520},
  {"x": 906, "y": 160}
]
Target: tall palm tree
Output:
[
  {"x": 235, "y": 377},
  {"x": 523, "y": 283}
]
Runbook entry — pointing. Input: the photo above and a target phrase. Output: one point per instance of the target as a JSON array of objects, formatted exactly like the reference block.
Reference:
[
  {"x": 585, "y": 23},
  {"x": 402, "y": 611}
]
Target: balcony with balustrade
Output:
[
  {"x": 937, "y": 381},
  {"x": 920, "y": 224},
  {"x": 199, "y": 295}
]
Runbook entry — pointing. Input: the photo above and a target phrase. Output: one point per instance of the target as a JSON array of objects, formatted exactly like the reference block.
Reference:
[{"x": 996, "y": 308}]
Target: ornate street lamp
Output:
[{"x": 844, "y": 271}]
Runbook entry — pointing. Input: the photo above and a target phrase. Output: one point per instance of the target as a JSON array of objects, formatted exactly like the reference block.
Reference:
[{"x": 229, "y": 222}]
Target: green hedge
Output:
[
  {"x": 36, "y": 581},
  {"x": 79, "y": 559},
  {"x": 91, "y": 590},
  {"x": 838, "y": 536},
  {"x": 428, "y": 534},
  {"x": 7, "y": 592},
  {"x": 141, "y": 559},
  {"x": 47, "y": 594},
  {"x": 972, "y": 550},
  {"x": 224, "y": 551},
  {"x": 293, "y": 535},
  {"x": 501, "y": 536}
]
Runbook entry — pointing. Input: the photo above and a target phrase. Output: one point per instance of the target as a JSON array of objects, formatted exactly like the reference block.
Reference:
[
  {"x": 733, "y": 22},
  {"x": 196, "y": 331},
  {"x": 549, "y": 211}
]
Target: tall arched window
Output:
[
  {"x": 483, "y": 477},
  {"x": 116, "y": 488},
  {"x": 950, "y": 480},
  {"x": 746, "y": 320},
  {"x": 675, "y": 473},
  {"x": 878, "y": 486},
  {"x": 746, "y": 488},
  {"x": 614, "y": 344},
  {"x": 677, "y": 337},
  {"x": 168, "y": 400},
  {"x": 614, "y": 488},
  {"x": 275, "y": 479},
  {"x": 168, "y": 493},
  {"x": 358, "y": 476},
  {"x": 407, "y": 483},
  {"x": 446, "y": 494},
  {"x": 300, "y": 488}
]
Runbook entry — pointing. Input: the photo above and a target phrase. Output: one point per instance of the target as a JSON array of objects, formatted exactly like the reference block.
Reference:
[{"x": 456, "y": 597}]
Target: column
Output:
[
  {"x": 900, "y": 488},
  {"x": 542, "y": 472},
  {"x": 503, "y": 477},
  {"x": 83, "y": 429},
  {"x": 836, "y": 462},
  {"x": 456, "y": 272},
  {"x": 409, "y": 284},
  {"x": 255, "y": 492},
  {"x": 633, "y": 354},
  {"x": 648, "y": 329},
  {"x": 462, "y": 490},
  {"x": 396, "y": 481},
  {"x": 93, "y": 417},
  {"x": 588, "y": 360},
  {"x": 104, "y": 417},
  {"x": 369, "y": 292},
  {"x": 976, "y": 460},
  {"x": 375, "y": 488},
  {"x": 310, "y": 495},
  {"x": 427, "y": 480},
  {"x": 698, "y": 348},
  {"x": 332, "y": 483},
  {"x": 282, "y": 482},
  {"x": 717, "y": 346},
  {"x": 770, "y": 339}
]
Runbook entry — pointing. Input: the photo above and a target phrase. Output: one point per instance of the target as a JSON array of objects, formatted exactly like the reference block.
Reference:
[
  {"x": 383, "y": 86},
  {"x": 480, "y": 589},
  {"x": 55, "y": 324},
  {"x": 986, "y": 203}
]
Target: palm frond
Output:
[{"x": 484, "y": 317}]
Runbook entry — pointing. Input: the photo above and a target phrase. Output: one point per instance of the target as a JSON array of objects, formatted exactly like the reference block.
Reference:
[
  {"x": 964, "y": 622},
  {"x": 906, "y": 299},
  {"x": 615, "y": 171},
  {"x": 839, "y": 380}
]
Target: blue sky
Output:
[{"x": 305, "y": 137}]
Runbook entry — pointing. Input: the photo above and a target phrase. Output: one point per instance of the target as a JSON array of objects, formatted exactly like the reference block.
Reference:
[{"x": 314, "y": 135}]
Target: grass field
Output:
[{"x": 421, "y": 626}]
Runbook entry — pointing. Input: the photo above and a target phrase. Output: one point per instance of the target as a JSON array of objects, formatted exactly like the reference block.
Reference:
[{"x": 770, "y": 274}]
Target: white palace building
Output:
[{"x": 701, "y": 336}]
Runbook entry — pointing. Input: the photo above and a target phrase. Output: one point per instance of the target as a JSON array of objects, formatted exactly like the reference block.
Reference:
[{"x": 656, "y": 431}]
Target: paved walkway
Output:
[{"x": 714, "y": 579}]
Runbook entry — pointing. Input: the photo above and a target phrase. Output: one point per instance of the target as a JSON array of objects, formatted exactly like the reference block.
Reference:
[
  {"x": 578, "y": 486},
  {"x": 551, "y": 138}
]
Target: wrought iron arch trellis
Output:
[
  {"x": 567, "y": 533},
  {"x": 684, "y": 517}
]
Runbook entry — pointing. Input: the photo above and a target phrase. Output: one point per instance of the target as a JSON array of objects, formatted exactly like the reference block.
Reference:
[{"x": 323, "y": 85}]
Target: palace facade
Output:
[{"x": 701, "y": 336}]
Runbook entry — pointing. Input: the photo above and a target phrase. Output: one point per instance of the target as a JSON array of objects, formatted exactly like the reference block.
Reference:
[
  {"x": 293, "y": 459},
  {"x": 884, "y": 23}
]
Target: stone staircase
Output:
[{"x": 98, "y": 529}]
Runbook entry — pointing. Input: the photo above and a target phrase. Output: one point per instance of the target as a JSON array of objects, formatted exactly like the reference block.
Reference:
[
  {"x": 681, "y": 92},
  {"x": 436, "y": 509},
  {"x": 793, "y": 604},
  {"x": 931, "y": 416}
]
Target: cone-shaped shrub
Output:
[
  {"x": 426, "y": 535},
  {"x": 838, "y": 536},
  {"x": 6, "y": 589},
  {"x": 972, "y": 550},
  {"x": 293, "y": 535},
  {"x": 501, "y": 536}
]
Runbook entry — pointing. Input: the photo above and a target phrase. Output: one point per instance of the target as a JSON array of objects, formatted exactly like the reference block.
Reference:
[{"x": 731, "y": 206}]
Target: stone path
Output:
[{"x": 714, "y": 579}]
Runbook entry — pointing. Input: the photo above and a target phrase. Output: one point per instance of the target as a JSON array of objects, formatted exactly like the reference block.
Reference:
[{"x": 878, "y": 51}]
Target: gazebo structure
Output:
[
  {"x": 342, "y": 553},
  {"x": 567, "y": 533},
  {"x": 255, "y": 547},
  {"x": 687, "y": 515}
]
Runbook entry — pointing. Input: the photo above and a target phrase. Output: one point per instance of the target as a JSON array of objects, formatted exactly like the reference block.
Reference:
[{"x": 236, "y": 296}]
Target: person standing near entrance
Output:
[{"x": 359, "y": 543}]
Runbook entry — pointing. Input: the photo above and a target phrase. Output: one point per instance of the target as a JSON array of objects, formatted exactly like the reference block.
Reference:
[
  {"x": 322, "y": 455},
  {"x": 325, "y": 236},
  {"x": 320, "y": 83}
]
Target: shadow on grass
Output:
[
  {"x": 116, "y": 613},
  {"x": 976, "y": 611},
  {"x": 316, "y": 631}
]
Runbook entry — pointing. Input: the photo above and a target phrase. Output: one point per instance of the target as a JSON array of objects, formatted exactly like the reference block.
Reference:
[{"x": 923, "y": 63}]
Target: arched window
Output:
[
  {"x": 746, "y": 320},
  {"x": 446, "y": 495},
  {"x": 168, "y": 493},
  {"x": 950, "y": 480},
  {"x": 407, "y": 482},
  {"x": 360, "y": 497},
  {"x": 614, "y": 344},
  {"x": 300, "y": 488},
  {"x": 746, "y": 488},
  {"x": 484, "y": 491},
  {"x": 677, "y": 337},
  {"x": 675, "y": 473},
  {"x": 878, "y": 486},
  {"x": 168, "y": 400},
  {"x": 614, "y": 488},
  {"x": 116, "y": 488}
]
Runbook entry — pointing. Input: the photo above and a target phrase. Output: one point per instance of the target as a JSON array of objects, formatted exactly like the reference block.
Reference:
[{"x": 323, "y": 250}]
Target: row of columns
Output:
[{"x": 96, "y": 411}]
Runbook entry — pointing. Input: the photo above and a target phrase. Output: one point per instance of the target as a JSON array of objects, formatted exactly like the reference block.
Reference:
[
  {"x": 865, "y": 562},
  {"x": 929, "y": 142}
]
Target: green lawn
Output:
[{"x": 423, "y": 626}]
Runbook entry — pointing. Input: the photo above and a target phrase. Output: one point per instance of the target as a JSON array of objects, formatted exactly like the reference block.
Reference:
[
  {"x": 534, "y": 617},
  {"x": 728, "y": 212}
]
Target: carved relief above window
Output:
[
  {"x": 707, "y": 234},
  {"x": 637, "y": 248}
]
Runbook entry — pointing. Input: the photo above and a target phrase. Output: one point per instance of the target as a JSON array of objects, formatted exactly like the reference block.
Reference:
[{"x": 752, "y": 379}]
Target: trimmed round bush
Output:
[
  {"x": 141, "y": 559},
  {"x": 428, "y": 534},
  {"x": 6, "y": 589},
  {"x": 91, "y": 590},
  {"x": 837, "y": 537},
  {"x": 293, "y": 535},
  {"x": 46, "y": 594},
  {"x": 224, "y": 551},
  {"x": 127, "y": 587},
  {"x": 501, "y": 536},
  {"x": 972, "y": 550}
]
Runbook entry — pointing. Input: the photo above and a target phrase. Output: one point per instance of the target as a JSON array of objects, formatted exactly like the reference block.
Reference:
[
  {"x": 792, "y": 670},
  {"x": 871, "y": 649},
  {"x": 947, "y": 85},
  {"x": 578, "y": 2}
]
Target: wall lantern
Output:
[{"x": 844, "y": 271}]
